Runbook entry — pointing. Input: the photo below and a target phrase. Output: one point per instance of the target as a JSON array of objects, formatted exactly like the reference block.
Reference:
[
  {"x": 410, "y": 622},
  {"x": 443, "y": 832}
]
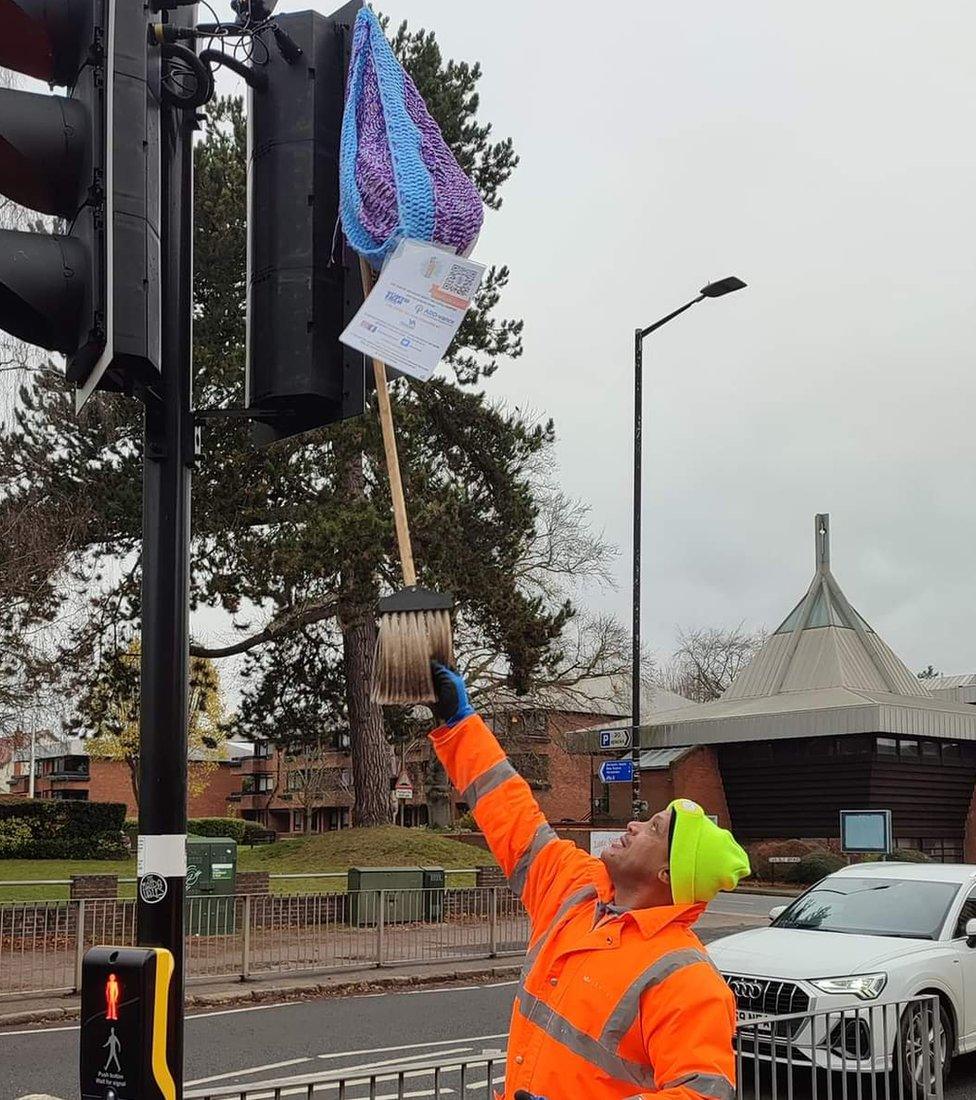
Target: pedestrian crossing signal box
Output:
[{"x": 125, "y": 995}]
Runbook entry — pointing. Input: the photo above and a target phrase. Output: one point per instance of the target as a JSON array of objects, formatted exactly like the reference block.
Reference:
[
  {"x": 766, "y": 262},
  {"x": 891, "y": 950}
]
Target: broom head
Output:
[{"x": 414, "y": 629}]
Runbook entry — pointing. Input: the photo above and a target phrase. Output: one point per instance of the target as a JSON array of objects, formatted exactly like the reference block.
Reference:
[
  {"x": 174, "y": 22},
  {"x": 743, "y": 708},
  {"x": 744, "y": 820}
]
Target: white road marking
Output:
[
  {"x": 36, "y": 1031},
  {"x": 468, "y": 1039},
  {"x": 246, "y": 1072},
  {"x": 284, "y": 1004},
  {"x": 302, "y": 1090},
  {"x": 368, "y": 1067}
]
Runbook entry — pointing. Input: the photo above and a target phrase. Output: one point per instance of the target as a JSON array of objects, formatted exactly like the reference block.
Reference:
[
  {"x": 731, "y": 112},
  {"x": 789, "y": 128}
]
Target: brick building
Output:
[
  {"x": 314, "y": 794},
  {"x": 538, "y": 735},
  {"x": 64, "y": 770}
]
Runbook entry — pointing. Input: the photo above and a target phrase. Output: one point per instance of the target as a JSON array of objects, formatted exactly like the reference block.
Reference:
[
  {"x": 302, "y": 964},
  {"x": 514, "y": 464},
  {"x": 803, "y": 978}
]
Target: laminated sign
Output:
[{"x": 415, "y": 309}]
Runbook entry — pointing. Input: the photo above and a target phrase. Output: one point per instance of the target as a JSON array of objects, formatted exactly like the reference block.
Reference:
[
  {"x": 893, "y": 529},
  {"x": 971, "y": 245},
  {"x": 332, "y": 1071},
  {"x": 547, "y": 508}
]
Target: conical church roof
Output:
[
  {"x": 824, "y": 672},
  {"x": 824, "y": 643}
]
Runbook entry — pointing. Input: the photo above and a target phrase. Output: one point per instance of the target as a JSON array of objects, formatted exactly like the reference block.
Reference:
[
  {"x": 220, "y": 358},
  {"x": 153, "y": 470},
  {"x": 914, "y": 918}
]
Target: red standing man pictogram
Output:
[{"x": 112, "y": 991}]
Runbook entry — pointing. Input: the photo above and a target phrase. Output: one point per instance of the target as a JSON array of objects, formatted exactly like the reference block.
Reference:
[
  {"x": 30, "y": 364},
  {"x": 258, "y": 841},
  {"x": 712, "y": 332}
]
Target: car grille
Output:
[{"x": 767, "y": 995}]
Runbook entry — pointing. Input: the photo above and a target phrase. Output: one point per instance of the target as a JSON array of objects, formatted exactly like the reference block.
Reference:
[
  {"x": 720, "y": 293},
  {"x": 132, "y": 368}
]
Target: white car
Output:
[{"x": 871, "y": 935}]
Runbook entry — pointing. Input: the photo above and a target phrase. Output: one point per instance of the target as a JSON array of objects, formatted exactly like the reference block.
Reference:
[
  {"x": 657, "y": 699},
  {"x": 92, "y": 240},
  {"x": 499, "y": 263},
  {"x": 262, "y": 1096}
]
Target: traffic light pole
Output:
[{"x": 165, "y": 584}]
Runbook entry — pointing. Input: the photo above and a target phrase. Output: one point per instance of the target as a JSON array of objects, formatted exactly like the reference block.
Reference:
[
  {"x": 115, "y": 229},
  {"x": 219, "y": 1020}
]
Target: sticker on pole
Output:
[
  {"x": 415, "y": 308},
  {"x": 152, "y": 888}
]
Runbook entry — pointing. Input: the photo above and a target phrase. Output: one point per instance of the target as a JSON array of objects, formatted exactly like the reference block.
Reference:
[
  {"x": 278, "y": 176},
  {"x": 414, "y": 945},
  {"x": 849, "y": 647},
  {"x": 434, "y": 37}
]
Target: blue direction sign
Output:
[{"x": 617, "y": 771}]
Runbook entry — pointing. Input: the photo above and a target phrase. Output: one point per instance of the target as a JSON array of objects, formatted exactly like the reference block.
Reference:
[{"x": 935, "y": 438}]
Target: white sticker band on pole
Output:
[{"x": 162, "y": 855}]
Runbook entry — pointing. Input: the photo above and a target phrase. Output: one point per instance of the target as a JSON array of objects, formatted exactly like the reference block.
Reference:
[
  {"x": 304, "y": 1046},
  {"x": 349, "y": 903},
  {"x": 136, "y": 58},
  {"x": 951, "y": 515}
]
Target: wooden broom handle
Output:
[{"x": 392, "y": 458}]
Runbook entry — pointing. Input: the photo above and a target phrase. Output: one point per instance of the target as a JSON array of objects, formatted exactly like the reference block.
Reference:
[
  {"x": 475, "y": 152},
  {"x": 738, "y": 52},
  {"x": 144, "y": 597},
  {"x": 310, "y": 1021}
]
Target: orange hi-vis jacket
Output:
[{"x": 610, "y": 1005}]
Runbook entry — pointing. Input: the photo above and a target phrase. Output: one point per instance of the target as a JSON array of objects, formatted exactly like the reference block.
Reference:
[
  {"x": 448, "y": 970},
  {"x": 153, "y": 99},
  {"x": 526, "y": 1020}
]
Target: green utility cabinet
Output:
[
  {"x": 434, "y": 879},
  {"x": 211, "y": 883},
  {"x": 404, "y": 898}
]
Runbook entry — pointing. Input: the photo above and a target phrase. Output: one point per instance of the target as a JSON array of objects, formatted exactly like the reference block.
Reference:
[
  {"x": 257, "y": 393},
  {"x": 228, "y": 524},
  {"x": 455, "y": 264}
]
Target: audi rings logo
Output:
[{"x": 746, "y": 990}]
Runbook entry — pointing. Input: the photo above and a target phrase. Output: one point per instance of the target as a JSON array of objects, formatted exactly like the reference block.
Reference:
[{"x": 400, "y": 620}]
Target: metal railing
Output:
[
  {"x": 857, "y": 1053},
  {"x": 468, "y": 1077},
  {"x": 895, "y": 1050},
  {"x": 280, "y": 879},
  {"x": 42, "y": 944}
]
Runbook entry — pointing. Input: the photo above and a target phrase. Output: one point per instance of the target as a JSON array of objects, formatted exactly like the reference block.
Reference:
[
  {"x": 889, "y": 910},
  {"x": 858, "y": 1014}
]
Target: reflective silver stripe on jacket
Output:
[
  {"x": 625, "y": 1012},
  {"x": 543, "y": 835},
  {"x": 591, "y": 1050},
  {"x": 494, "y": 777},
  {"x": 574, "y": 899},
  {"x": 712, "y": 1085}
]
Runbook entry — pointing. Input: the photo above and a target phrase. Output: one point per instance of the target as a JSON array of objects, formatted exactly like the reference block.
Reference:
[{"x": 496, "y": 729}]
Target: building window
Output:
[
  {"x": 930, "y": 751},
  {"x": 264, "y": 783},
  {"x": 298, "y": 821},
  {"x": 886, "y": 746},
  {"x": 854, "y": 746},
  {"x": 951, "y": 752},
  {"x": 908, "y": 748},
  {"x": 533, "y": 767},
  {"x": 262, "y": 750},
  {"x": 70, "y": 796}
]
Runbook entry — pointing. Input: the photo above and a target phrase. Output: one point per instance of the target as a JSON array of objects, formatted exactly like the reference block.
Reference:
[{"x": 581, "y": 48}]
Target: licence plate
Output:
[{"x": 746, "y": 1017}]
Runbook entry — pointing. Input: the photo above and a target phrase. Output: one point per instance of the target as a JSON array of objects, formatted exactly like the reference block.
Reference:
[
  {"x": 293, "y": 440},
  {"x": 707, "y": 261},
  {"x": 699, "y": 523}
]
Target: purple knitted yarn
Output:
[
  {"x": 398, "y": 176},
  {"x": 458, "y": 212},
  {"x": 374, "y": 168}
]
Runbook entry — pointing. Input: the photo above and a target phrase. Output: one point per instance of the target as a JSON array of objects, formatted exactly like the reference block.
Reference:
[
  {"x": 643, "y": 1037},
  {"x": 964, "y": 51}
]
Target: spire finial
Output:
[{"x": 822, "y": 531}]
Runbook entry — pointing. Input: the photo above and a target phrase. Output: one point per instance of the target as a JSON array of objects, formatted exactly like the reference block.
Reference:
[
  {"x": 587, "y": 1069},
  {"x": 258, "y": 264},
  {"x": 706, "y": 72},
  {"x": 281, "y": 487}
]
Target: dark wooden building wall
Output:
[{"x": 797, "y": 787}]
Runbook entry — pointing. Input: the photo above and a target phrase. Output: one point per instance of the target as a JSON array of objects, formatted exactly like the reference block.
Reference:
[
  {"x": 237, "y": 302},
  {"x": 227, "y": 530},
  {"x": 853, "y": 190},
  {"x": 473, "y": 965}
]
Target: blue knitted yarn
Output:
[{"x": 397, "y": 176}]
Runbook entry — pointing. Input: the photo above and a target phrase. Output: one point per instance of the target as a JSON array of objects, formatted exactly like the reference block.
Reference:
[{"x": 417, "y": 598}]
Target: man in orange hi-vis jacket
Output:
[{"x": 617, "y": 998}]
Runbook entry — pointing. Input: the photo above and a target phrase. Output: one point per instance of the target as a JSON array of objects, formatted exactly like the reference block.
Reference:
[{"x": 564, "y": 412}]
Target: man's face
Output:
[{"x": 640, "y": 853}]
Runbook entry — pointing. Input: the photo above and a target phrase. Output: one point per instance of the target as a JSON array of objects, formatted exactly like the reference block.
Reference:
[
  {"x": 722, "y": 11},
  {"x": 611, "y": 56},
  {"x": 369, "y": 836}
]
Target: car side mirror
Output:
[
  {"x": 971, "y": 932},
  {"x": 778, "y": 910}
]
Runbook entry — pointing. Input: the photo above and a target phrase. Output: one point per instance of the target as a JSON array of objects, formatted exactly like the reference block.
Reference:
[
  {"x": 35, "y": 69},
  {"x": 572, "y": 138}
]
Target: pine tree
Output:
[{"x": 295, "y": 542}]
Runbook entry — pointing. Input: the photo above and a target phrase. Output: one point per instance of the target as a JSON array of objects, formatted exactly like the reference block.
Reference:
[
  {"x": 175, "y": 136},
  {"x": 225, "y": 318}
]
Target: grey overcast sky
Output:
[{"x": 824, "y": 153}]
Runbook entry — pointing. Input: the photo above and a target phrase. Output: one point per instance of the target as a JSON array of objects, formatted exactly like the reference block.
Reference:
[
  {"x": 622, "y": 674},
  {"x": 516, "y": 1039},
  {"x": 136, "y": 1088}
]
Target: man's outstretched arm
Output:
[{"x": 541, "y": 869}]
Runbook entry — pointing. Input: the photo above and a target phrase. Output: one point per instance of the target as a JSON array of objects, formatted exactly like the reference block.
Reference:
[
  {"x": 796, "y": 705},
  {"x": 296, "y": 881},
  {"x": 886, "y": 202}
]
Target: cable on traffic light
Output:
[{"x": 187, "y": 81}]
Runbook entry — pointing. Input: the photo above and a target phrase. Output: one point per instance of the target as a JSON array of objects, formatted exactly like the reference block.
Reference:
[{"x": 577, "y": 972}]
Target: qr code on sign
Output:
[{"x": 462, "y": 281}]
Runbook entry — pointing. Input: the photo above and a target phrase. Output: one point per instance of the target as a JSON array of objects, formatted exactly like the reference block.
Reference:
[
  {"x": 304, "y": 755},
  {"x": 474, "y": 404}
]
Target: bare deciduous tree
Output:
[{"x": 707, "y": 660}]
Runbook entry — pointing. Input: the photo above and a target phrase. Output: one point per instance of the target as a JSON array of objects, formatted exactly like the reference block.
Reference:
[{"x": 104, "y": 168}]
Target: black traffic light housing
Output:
[
  {"x": 91, "y": 289},
  {"x": 304, "y": 284}
]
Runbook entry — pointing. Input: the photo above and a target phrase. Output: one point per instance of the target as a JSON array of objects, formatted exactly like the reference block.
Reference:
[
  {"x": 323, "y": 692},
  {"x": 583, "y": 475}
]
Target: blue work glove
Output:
[{"x": 452, "y": 703}]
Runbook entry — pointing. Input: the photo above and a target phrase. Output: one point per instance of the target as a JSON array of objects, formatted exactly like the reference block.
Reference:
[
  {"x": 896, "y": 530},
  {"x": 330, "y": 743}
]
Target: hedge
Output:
[
  {"x": 815, "y": 866},
  {"x": 217, "y": 826},
  {"x": 759, "y": 858},
  {"x": 257, "y": 834},
  {"x": 902, "y": 855},
  {"x": 33, "y": 828}
]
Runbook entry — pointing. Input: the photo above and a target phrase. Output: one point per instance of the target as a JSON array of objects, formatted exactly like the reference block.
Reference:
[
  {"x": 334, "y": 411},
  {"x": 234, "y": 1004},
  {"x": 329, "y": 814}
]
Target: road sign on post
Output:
[
  {"x": 125, "y": 993},
  {"x": 617, "y": 771},
  {"x": 90, "y": 159},
  {"x": 617, "y": 738}
]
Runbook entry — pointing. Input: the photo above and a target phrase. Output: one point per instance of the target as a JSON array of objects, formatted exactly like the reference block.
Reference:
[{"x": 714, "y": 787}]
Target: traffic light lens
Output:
[
  {"x": 25, "y": 45},
  {"x": 42, "y": 288},
  {"x": 112, "y": 992}
]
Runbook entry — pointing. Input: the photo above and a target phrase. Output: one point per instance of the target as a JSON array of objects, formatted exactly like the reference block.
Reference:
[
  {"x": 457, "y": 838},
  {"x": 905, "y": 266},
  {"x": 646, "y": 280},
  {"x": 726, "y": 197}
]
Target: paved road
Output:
[
  {"x": 259, "y": 1043},
  {"x": 251, "y": 1045}
]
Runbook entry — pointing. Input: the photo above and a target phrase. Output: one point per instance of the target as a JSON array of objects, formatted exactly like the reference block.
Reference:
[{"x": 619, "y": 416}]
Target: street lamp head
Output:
[{"x": 723, "y": 286}]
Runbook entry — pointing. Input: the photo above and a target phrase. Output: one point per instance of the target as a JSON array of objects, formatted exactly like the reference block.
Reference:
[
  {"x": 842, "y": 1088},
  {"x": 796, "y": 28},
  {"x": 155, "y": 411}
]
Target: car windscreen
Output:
[{"x": 872, "y": 907}]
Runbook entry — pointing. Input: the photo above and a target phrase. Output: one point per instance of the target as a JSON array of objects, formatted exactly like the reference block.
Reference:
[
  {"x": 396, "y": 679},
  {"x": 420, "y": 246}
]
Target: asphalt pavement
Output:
[{"x": 385, "y": 1031}]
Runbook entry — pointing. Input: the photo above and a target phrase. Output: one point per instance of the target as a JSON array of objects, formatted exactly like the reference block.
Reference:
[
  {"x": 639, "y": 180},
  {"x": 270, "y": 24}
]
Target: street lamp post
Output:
[{"x": 712, "y": 290}]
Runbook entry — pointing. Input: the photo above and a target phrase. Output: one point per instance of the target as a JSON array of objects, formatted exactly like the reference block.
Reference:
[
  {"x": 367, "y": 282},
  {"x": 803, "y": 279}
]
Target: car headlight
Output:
[{"x": 863, "y": 986}]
